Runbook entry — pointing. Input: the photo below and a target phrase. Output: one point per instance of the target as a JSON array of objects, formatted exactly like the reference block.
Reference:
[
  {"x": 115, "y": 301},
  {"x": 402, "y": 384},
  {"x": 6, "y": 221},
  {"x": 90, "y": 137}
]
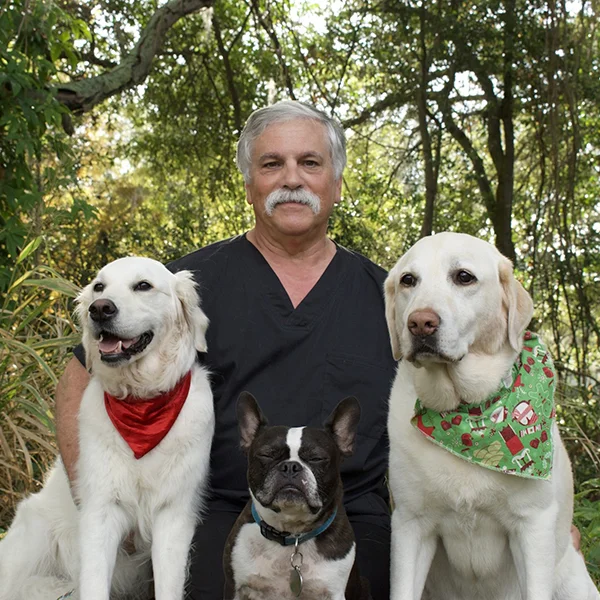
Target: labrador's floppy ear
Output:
[
  {"x": 518, "y": 303},
  {"x": 197, "y": 321},
  {"x": 390, "y": 313}
]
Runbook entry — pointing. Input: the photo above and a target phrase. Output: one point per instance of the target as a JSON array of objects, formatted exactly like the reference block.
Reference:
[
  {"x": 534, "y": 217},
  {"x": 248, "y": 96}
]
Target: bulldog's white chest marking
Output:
[
  {"x": 262, "y": 569},
  {"x": 294, "y": 441}
]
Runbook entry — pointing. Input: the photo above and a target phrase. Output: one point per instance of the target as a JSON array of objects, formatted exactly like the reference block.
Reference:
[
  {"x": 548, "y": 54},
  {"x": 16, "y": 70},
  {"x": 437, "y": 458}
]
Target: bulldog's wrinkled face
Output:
[
  {"x": 294, "y": 472},
  {"x": 293, "y": 469}
]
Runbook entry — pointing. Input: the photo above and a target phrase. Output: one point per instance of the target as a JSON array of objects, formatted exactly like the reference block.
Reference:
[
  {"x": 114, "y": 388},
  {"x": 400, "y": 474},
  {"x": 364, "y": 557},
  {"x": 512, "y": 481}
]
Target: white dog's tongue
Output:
[{"x": 113, "y": 345}]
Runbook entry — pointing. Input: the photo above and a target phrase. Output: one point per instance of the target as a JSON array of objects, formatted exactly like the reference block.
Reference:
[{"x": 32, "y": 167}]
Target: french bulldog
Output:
[{"x": 293, "y": 538}]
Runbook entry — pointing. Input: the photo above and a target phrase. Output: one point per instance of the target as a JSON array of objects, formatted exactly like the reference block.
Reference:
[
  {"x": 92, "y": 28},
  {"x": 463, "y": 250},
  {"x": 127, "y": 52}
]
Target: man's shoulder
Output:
[
  {"x": 215, "y": 255},
  {"x": 364, "y": 264}
]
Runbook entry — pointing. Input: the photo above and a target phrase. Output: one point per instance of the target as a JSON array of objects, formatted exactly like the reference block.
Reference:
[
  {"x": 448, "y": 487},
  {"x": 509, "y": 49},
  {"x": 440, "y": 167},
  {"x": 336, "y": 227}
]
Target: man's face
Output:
[{"x": 292, "y": 156}]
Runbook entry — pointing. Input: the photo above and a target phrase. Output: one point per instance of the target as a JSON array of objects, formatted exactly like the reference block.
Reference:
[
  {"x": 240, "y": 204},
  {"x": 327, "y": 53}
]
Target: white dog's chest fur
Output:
[
  {"x": 470, "y": 509},
  {"x": 141, "y": 486},
  {"x": 262, "y": 569}
]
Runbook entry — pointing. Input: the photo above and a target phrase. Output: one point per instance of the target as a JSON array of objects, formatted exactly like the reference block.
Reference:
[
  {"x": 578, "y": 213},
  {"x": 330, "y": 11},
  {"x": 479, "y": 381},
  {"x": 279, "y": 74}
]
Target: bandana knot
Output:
[
  {"x": 144, "y": 423},
  {"x": 511, "y": 431}
]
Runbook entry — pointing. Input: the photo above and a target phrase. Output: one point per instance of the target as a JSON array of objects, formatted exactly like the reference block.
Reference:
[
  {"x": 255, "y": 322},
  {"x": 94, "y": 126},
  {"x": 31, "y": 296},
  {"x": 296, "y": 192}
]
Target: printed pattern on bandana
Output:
[
  {"x": 144, "y": 423},
  {"x": 511, "y": 431}
]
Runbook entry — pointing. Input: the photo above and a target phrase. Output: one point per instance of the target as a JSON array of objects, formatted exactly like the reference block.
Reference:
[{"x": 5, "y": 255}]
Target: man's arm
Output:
[{"x": 69, "y": 393}]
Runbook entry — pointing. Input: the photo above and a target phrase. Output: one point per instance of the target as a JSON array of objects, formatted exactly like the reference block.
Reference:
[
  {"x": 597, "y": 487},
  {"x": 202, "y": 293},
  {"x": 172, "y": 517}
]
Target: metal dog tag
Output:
[
  {"x": 296, "y": 581},
  {"x": 295, "y": 575}
]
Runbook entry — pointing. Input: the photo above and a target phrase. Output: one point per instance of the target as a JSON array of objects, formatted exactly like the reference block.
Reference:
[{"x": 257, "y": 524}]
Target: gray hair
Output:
[{"x": 289, "y": 110}]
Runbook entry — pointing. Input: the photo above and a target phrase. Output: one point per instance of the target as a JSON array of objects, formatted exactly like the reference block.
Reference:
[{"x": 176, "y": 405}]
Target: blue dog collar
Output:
[{"x": 285, "y": 538}]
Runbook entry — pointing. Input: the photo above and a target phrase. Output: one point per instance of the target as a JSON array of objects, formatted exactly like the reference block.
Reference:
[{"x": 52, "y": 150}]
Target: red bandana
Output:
[{"x": 144, "y": 423}]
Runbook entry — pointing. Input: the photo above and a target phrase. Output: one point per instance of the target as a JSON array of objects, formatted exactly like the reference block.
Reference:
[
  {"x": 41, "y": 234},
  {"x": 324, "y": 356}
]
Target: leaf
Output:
[{"x": 29, "y": 249}]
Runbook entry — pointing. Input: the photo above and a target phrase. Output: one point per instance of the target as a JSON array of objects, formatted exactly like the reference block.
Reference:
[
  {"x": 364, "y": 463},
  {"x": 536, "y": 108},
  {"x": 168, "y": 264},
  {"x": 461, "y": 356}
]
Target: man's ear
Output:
[
  {"x": 342, "y": 424},
  {"x": 518, "y": 304},
  {"x": 250, "y": 419},
  {"x": 197, "y": 321},
  {"x": 390, "y": 314}
]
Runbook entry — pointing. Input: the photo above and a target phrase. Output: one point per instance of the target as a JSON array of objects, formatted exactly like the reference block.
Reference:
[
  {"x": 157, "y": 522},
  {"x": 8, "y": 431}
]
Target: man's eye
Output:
[
  {"x": 408, "y": 280},
  {"x": 463, "y": 277},
  {"x": 99, "y": 287},
  {"x": 142, "y": 286}
]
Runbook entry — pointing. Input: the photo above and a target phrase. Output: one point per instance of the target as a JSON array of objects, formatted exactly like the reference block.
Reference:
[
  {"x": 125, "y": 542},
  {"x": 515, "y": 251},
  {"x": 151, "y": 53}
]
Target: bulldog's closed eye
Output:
[{"x": 317, "y": 459}]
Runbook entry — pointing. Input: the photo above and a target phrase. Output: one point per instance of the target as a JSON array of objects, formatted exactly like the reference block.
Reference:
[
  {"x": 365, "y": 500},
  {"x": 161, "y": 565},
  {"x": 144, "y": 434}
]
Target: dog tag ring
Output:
[{"x": 295, "y": 575}]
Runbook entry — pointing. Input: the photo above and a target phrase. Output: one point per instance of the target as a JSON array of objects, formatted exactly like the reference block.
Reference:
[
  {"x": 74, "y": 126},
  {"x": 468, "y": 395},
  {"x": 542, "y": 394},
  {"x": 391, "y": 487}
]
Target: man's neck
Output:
[{"x": 297, "y": 263}]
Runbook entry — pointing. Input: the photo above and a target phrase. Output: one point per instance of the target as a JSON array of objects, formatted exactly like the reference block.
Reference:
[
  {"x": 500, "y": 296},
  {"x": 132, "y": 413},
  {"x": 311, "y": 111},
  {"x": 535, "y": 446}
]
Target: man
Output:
[{"x": 296, "y": 320}]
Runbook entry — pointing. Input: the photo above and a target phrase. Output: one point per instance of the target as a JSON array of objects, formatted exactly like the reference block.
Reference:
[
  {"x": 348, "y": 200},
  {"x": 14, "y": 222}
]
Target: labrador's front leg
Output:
[
  {"x": 532, "y": 544},
  {"x": 413, "y": 548}
]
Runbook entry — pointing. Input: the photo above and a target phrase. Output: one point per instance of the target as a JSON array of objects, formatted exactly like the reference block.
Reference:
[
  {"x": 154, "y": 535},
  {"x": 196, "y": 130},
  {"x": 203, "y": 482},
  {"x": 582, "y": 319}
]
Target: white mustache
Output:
[{"x": 300, "y": 196}]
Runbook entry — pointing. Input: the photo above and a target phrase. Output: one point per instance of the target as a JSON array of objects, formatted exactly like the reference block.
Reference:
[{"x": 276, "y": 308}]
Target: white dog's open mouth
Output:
[{"x": 114, "y": 349}]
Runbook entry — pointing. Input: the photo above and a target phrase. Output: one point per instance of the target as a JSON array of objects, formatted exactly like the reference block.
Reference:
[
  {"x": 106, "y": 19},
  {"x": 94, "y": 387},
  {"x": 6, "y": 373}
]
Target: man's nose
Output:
[{"x": 292, "y": 177}]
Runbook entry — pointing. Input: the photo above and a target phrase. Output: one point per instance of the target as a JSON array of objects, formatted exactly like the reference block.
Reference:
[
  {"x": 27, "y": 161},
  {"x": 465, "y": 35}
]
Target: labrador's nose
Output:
[{"x": 423, "y": 322}]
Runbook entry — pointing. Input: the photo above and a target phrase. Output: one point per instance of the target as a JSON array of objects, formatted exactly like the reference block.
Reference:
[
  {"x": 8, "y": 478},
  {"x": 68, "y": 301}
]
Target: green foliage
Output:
[
  {"x": 35, "y": 38},
  {"x": 587, "y": 519},
  {"x": 36, "y": 332}
]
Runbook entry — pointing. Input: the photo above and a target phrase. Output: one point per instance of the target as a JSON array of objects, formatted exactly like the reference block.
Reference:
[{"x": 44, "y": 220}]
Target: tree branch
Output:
[{"x": 81, "y": 96}]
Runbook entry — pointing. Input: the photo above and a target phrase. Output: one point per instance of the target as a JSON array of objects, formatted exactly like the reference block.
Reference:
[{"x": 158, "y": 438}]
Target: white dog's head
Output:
[
  {"x": 142, "y": 325},
  {"x": 452, "y": 294}
]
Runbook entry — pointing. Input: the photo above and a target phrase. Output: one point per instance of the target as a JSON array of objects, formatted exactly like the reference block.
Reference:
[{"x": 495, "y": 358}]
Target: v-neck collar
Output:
[{"x": 313, "y": 304}]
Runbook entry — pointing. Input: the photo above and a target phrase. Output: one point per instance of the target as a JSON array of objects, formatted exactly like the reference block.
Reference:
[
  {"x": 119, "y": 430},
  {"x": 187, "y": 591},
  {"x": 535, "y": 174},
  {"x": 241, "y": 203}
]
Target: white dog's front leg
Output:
[
  {"x": 413, "y": 548},
  {"x": 172, "y": 534},
  {"x": 532, "y": 544},
  {"x": 101, "y": 532}
]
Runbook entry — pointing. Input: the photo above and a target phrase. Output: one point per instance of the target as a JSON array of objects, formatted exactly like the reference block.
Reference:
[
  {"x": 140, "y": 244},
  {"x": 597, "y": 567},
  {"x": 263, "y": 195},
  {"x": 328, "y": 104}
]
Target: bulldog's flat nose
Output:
[
  {"x": 290, "y": 468},
  {"x": 102, "y": 310},
  {"x": 423, "y": 322}
]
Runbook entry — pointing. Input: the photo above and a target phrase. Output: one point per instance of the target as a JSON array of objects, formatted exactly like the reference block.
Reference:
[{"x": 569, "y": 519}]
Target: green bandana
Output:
[{"x": 511, "y": 431}]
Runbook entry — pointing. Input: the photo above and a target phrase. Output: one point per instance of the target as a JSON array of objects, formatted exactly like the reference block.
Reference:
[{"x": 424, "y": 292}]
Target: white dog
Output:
[
  {"x": 146, "y": 424},
  {"x": 481, "y": 481}
]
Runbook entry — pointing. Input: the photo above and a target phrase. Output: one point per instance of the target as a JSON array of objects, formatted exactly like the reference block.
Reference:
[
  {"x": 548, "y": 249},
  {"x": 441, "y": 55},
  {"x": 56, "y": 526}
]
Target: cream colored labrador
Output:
[{"x": 482, "y": 488}]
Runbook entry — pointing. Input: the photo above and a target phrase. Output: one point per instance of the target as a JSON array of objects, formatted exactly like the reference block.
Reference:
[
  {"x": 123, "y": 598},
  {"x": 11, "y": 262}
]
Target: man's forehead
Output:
[{"x": 303, "y": 136}]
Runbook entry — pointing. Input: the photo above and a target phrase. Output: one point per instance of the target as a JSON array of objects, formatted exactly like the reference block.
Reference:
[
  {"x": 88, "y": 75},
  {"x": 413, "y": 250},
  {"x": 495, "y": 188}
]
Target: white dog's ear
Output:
[
  {"x": 82, "y": 303},
  {"x": 390, "y": 314},
  {"x": 518, "y": 303},
  {"x": 185, "y": 289}
]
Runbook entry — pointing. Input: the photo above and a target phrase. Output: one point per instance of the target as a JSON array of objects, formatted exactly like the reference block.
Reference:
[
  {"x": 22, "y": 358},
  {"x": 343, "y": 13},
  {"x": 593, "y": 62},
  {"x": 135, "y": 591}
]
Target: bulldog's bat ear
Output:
[
  {"x": 342, "y": 424},
  {"x": 250, "y": 419}
]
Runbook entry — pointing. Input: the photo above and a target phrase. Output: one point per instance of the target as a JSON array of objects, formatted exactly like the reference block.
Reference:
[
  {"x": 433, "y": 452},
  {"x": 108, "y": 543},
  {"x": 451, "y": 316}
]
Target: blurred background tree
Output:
[{"x": 118, "y": 125}]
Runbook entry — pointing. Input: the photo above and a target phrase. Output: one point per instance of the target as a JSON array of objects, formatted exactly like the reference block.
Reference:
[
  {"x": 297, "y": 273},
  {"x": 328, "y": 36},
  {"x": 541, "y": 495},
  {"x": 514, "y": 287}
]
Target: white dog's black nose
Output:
[
  {"x": 423, "y": 322},
  {"x": 290, "y": 468},
  {"x": 102, "y": 310}
]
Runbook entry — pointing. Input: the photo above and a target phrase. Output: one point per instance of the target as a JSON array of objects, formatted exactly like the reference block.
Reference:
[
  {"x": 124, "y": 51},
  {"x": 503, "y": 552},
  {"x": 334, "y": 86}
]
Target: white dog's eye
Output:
[
  {"x": 142, "y": 286},
  {"x": 464, "y": 277},
  {"x": 408, "y": 280},
  {"x": 99, "y": 287}
]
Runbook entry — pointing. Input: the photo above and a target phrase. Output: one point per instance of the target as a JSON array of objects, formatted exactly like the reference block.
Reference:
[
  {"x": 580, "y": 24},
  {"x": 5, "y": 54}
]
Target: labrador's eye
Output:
[
  {"x": 99, "y": 287},
  {"x": 463, "y": 277},
  {"x": 142, "y": 286},
  {"x": 408, "y": 280}
]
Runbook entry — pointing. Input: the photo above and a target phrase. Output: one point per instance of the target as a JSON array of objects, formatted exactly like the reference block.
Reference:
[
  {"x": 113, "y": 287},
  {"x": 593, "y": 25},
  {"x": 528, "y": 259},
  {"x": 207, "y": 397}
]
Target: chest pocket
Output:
[{"x": 348, "y": 375}]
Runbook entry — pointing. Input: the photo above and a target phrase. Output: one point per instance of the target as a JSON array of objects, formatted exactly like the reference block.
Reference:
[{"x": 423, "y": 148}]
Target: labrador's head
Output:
[
  {"x": 452, "y": 294},
  {"x": 137, "y": 315}
]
